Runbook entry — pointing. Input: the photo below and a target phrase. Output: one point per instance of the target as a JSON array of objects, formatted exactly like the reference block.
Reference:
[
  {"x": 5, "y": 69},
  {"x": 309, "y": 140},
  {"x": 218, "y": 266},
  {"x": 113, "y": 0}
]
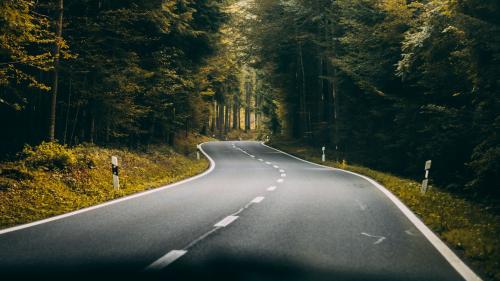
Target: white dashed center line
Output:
[
  {"x": 280, "y": 180},
  {"x": 167, "y": 259},
  {"x": 258, "y": 199},
  {"x": 276, "y": 167},
  {"x": 282, "y": 171},
  {"x": 226, "y": 221},
  {"x": 268, "y": 163},
  {"x": 283, "y": 175},
  {"x": 261, "y": 160},
  {"x": 271, "y": 188}
]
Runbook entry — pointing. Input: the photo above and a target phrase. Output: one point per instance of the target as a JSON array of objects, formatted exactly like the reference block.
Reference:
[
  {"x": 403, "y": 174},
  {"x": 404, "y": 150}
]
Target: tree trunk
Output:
[
  {"x": 83, "y": 125},
  {"x": 304, "y": 114},
  {"x": 214, "y": 117},
  {"x": 227, "y": 119},
  {"x": 55, "y": 85},
  {"x": 75, "y": 122},
  {"x": 92, "y": 127},
  {"x": 68, "y": 107},
  {"x": 222, "y": 120},
  {"x": 256, "y": 112},
  {"x": 236, "y": 111},
  {"x": 217, "y": 117},
  {"x": 336, "y": 137},
  {"x": 247, "y": 106}
]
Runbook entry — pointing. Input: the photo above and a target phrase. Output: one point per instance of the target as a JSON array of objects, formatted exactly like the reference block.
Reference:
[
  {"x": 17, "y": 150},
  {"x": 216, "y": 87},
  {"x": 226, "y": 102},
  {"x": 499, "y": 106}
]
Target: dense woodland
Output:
[
  {"x": 383, "y": 83},
  {"x": 391, "y": 83},
  {"x": 104, "y": 71}
]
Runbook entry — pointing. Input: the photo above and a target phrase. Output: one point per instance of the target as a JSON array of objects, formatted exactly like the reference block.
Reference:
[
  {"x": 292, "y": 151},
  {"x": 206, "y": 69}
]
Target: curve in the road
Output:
[
  {"x": 442, "y": 248},
  {"x": 260, "y": 211},
  {"x": 119, "y": 200}
]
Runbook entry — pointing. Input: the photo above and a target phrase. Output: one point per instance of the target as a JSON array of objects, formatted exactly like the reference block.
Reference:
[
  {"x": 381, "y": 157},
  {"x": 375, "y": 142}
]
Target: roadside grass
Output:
[
  {"x": 50, "y": 179},
  {"x": 471, "y": 229}
]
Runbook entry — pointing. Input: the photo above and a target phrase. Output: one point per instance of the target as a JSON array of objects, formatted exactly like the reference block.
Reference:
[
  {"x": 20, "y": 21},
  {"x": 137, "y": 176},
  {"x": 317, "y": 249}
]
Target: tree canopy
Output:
[{"x": 384, "y": 83}]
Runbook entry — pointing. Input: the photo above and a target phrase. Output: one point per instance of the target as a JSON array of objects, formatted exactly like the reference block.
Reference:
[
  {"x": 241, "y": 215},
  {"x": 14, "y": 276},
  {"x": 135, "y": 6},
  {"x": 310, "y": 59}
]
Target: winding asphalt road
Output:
[{"x": 257, "y": 214}]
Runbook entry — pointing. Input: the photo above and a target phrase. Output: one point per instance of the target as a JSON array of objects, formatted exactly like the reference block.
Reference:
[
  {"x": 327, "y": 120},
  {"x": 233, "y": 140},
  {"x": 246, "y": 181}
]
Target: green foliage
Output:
[
  {"x": 11, "y": 175},
  {"x": 24, "y": 44},
  {"x": 50, "y": 156},
  {"x": 133, "y": 78},
  {"x": 390, "y": 83}
]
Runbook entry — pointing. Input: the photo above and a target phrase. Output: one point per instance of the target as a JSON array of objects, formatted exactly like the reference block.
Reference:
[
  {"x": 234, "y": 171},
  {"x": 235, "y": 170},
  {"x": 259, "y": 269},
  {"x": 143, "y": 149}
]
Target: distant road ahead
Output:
[{"x": 259, "y": 214}]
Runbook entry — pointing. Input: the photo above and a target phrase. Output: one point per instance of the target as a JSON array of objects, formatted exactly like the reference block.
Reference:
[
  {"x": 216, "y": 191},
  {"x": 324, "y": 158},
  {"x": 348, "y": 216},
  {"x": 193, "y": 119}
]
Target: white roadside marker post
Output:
[
  {"x": 198, "y": 152},
  {"x": 323, "y": 157},
  {"x": 425, "y": 182},
  {"x": 114, "y": 169}
]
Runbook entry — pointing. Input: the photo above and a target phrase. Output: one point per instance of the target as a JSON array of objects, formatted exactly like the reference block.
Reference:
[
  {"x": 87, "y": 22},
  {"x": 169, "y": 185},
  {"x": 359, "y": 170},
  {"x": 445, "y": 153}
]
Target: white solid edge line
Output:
[
  {"x": 112, "y": 202},
  {"x": 167, "y": 259},
  {"x": 226, "y": 221},
  {"x": 446, "y": 252}
]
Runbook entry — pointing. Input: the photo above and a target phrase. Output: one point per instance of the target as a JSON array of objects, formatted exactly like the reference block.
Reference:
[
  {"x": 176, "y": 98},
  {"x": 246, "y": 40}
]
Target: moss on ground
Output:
[
  {"x": 471, "y": 229},
  {"x": 40, "y": 185}
]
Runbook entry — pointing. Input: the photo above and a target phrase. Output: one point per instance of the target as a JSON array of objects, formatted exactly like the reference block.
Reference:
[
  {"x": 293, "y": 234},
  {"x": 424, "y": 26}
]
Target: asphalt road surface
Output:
[{"x": 257, "y": 214}]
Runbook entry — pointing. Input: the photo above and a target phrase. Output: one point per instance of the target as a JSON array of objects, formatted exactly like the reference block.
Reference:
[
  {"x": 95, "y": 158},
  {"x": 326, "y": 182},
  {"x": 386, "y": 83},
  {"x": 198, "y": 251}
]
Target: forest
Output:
[
  {"x": 387, "y": 84},
  {"x": 391, "y": 84}
]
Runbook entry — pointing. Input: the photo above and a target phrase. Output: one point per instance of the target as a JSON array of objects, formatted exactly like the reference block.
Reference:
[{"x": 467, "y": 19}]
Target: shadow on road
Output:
[{"x": 220, "y": 268}]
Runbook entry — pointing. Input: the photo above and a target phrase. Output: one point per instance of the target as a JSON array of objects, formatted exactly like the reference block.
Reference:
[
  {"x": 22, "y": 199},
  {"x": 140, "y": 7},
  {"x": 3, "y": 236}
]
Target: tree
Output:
[
  {"x": 25, "y": 42},
  {"x": 58, "y": 42}
]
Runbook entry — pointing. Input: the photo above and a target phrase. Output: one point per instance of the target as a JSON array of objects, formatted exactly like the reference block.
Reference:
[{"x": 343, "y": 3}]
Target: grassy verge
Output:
[
  {"x": 50, "y": 180},
  {"x": 469, "y": 228}
]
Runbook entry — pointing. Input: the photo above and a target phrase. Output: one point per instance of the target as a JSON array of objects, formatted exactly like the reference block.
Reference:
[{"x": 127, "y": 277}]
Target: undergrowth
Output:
[
  {"x": 470, "y": 228},
  {"x": 52, "y": 179}
]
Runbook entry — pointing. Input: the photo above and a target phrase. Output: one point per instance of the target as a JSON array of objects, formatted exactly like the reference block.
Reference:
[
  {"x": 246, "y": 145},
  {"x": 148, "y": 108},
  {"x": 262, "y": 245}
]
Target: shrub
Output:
[
  {"x": 49, "y": 155},
  {"x": 15, "y": 172}
]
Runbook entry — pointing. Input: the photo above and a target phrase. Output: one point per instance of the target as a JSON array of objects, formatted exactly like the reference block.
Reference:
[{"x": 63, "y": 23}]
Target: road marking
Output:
[
  {"x": 253, "y": 156},
  {"x": 283, "y": 175},
  {"x": 271, "y": 188},
  {"x": 409, "y": 232},
  {"x": 261, "y": 160},
  {"x": 380, "y": 238},
  {"x": 257, "y": 200},
  {"x": 276, "y": 166},
  {"x": 361, "y": 205},
  {"x": 282, "y": 171},
  {"x": 166, "y": 260},
  {"x": 446, "y": 252},
  {"x": 268, "y": 163},
  {"x": 123, "y": 199},
  {"x": 226, "y": 221},
  {"x": 199, "y": 239},
  {"x": 280, "y": 180}
]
